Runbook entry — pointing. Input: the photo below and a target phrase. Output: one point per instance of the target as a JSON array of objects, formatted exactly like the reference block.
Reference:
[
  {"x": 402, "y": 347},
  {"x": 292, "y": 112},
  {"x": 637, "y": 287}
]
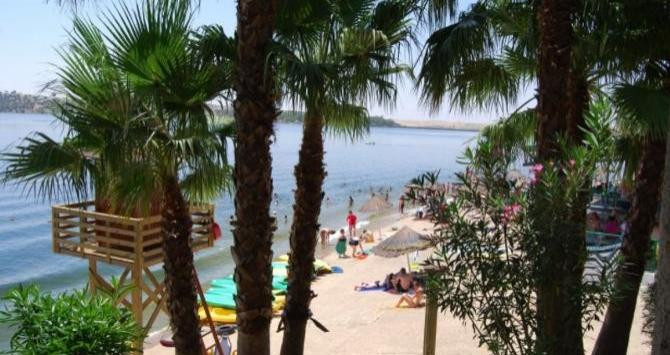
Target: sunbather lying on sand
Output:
[
  {"x": 413, "y": 301},
  {"x": 382, "y": 286}
]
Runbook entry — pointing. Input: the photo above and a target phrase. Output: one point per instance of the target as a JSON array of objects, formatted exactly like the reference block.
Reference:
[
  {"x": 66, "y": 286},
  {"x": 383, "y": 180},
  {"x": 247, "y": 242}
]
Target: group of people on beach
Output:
[
  {"x": 349, "y": 237},
  {"x": 354, "y": 240},
  {"x": 408, "y": 285}
]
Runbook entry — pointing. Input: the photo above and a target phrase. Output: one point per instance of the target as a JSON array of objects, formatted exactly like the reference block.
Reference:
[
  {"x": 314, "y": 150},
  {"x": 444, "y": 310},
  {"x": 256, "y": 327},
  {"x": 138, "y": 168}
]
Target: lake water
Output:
[{"x": 387, "y": 158}]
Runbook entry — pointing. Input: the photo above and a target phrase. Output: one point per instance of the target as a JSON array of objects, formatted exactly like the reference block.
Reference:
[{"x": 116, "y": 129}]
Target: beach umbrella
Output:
[
  {"x": 404, "y": 241},
  {"x": 375, "y": 204}
]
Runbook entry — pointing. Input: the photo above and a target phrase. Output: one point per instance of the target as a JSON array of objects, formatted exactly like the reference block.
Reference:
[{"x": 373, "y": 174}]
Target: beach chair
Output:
[{"x": 602, "y": 250}]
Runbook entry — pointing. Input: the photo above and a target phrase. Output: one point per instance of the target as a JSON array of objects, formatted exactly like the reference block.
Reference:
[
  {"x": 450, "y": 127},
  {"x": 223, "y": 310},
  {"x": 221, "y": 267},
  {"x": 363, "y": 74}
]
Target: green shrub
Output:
[
  {"x": 69, "y": 323},
  {"x": 496, "y": 245}
]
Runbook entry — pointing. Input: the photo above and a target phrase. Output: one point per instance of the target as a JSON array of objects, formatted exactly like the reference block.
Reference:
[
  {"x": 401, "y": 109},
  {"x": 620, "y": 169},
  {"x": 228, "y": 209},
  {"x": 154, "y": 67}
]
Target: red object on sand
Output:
[{"x": 217, "y": 231}]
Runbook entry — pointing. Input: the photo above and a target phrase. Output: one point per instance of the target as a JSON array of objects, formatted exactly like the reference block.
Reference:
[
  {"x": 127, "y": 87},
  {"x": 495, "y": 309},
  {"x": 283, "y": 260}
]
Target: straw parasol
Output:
[
  {"x": 375, "y": 204},
  {"x": 404, "y": 241},
  {"x": 514, "y": 175}
]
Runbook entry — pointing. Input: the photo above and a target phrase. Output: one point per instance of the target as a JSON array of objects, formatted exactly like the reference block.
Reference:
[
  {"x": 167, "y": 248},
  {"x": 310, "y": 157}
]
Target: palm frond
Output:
[
  {"x": 49, "y": 169},
  {"x": 451, "y": 48},
  {"x": 514, "y": 134},
  {"x": 644, "y": 109},
  {"x": 343, "y": 119}
]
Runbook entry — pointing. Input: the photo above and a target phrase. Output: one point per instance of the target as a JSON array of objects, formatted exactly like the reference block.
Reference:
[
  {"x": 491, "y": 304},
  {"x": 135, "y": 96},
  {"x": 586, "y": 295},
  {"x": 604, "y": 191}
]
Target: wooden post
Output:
[
  {"x": 430, "y": 326},
  {"x": 92, "y": 270},
  {"x": 136, "y": 275},
  {"x": 55, "y": 234}
]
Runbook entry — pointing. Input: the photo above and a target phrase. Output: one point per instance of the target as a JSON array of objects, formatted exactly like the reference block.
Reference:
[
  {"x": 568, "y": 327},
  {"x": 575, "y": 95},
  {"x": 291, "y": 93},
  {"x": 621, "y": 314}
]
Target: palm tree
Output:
[
  {"x": 660, "y": 344},
  {"x": 134, "y": 102},
  {"x": 644, "y": 106},
  {"x": 483, "y": 60},
  {"x": 334, "y": 57},
  {"x": 255, "y": 113}
]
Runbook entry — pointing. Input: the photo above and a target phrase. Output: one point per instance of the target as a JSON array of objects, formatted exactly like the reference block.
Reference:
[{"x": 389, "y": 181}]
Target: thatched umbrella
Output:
[
  {"x": 404, "y": 241},
  {"x": 375, "y": 204},
  {"x": 514, "y": 175}
]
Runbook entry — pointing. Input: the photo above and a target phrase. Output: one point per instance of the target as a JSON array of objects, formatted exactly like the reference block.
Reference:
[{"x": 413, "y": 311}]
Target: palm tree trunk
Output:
[
  {"x": 558, "y": 307},
  {"x": 309, "y": 174},
  {"x": 614, "y": 334},
  {"x": 578, "y": 104},
  {"x": 554, "y": 21},
  {"x": 661, "y": 339},
  {"x": 178, "y": 266},
  {"x": 255, "y": 113}
]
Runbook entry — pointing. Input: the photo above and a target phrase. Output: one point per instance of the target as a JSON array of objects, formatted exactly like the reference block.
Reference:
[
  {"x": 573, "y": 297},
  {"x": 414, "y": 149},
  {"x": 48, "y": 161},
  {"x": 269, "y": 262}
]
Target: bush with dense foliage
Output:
[
  {"x": 69, "y": 323},
  {"x": 492, "y": 251}
]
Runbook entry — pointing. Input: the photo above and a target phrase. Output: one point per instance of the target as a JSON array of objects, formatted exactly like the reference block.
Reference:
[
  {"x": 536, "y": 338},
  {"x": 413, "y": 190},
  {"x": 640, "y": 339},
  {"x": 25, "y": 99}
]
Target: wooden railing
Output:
[{"x": 78, "y": 230}]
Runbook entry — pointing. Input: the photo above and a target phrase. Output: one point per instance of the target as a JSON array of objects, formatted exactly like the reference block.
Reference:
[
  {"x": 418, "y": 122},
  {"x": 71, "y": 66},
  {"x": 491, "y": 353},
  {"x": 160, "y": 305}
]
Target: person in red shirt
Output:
[{"x": 351, "y": 222}]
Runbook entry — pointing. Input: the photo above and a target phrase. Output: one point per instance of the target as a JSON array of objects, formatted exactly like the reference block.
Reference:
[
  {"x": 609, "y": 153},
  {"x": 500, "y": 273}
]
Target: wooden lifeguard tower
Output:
[{"x": 134, "y": 244}]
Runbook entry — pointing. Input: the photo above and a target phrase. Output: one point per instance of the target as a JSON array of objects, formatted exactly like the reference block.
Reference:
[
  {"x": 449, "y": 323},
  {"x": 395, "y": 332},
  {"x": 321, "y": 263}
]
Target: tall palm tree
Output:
[
  {"x": 255, "y": 113},
  {"x": 645, "y": 106},
  {"x": 334, "y": 57},
  {"x": 483, "y": 60},
  {"x": 661, "y": 335},
  {"x": 134, "y": 103}
]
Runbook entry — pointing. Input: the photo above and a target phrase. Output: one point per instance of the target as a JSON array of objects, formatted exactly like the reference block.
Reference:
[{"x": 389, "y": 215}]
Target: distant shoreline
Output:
[
  {"x": 388, "y": 123},
  {"x": 441, "y": 125}
]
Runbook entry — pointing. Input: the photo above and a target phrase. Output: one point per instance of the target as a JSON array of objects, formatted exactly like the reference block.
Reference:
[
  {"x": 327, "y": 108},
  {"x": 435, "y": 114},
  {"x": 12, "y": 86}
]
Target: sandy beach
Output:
[{"x": 368, "y": 322}]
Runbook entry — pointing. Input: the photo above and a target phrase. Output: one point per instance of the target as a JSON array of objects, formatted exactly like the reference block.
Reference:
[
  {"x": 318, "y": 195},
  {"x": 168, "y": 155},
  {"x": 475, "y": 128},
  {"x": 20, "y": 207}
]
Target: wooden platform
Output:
[{"x": 134, "y": 244}]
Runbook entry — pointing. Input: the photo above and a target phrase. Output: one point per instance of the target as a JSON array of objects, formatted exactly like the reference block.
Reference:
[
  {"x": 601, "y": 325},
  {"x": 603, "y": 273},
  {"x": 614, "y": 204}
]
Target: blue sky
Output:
[{"x": 31, "y": 30}]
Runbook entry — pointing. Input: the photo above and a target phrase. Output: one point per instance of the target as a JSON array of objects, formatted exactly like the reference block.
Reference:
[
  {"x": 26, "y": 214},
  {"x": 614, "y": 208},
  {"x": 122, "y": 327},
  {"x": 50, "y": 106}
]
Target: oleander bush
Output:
[
  {"x": 493, "y": 247},
  {"x": 75, "y": 323}
]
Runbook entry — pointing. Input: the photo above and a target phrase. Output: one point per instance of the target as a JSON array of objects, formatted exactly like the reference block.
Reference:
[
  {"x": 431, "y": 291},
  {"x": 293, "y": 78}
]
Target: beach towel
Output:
[
  {"x": 336, "y": 269},
  {"x": 371, "y": 288},
  {"x": 361, "y": 256}
]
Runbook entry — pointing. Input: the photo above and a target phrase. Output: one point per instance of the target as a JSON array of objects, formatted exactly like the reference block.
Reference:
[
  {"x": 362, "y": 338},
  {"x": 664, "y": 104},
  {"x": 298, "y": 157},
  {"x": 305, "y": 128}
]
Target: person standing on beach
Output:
[
  {"x": 401, "y": 205},
  {"x": 351, "y": 202},
  {"x": 323, "y": 235},
  {"x": 351, "y": 223},
  {"x": 341, "y": 246},
  {"x": 356, "y": 243}
]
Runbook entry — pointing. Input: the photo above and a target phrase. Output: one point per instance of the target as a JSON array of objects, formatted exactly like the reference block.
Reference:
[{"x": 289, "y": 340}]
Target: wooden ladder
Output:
[{"x": 208, "y": 317}]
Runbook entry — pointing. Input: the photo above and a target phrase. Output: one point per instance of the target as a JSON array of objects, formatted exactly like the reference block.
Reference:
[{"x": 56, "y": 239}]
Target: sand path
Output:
[{"x": 368, "y": 323}]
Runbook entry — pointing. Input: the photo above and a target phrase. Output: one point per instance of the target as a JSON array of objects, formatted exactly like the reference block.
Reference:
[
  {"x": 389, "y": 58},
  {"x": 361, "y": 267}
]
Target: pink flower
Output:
[
  {"x": 536, "y": 170},
  {"x": 572, "y": 163},
  {"x": 509, "y": 211}
]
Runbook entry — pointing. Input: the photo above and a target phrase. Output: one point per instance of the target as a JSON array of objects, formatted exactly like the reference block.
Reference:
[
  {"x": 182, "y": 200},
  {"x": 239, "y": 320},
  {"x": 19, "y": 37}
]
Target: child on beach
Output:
[{"x": 341, "y": 247}]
